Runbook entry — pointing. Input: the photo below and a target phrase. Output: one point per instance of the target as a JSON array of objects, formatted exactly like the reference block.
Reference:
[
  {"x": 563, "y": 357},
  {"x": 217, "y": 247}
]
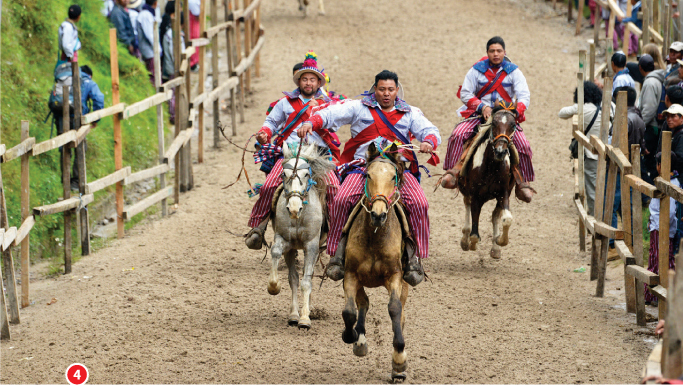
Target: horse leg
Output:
[
  {"x": 349, "y": 335},
  {"x": 321, "y": 8},
  {"x": 360, "y": 347},
  {"x": 310, "y": 256},
  {"x": 290, "y": 258},
  {"x": 474, "y": 235},
  {"x": 506, "y": 220},
  {"x": 495, "y": 219},
  {"x": 275, "y": 254},
  {"x": 465, "y": 241},
  {"x": 301, "y": 5},
  {"x": 399, "y": 357}
]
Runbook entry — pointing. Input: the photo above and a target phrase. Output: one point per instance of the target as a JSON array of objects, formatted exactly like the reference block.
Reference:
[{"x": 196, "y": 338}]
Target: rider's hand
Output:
[
  {"x": 306, "y": 128},
  {"x": 262, "y": 137},
  {"x": 486, "y": 112},
  {"x": 426, "y": 147}
]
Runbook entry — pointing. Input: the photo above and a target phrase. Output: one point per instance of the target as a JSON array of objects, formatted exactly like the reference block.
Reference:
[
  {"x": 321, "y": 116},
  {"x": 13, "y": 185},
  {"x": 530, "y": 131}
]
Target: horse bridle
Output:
[
  {"x": 297, "y": 193},
  {"x": 508, "y": 139},
  {"x": 392, "y": 199}
]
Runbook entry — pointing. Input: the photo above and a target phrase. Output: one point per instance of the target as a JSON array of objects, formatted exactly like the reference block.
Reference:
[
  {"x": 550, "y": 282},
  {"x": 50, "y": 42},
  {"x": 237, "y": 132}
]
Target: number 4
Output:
[{"x": 77, "y": 374}]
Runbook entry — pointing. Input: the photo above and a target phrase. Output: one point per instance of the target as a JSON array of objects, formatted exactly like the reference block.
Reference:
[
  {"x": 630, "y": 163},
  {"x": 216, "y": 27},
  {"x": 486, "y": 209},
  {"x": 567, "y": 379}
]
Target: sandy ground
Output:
[{"x": 181, "y": 300}]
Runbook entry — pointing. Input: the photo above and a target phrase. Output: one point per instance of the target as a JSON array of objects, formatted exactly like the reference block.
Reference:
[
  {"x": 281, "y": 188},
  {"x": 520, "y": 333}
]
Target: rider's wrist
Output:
[{"x": 431, "y": 139}]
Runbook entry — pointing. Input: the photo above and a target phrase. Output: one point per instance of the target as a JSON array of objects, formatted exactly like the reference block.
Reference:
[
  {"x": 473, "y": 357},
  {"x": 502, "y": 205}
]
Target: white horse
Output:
[
  {"x": 297, "y": 223},
  {"x": 303, "y": 7}
]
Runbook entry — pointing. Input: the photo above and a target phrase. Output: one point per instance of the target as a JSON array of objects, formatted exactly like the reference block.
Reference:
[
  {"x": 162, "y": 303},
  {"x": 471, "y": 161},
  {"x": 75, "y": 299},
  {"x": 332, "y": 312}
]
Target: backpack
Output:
[{"x": 63, "y": 77}]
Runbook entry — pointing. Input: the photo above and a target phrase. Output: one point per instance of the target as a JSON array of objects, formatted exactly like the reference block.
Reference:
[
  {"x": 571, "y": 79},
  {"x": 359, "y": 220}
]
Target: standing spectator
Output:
[
  {"x": 120, "y": 18},
  {"x": 195, "y": 8},
  {"x": 68, "y": 35},
  {"x": 133, "y": 12},
  {"x": 633, "y": 43},
  {"x": 675, "y": 54},
  {"x": 593, "y": 8},
  {"x": 145, "y": 28},
  {"x": 618, "y": 25},
  {"x": 621, "y": 73},
  {"x": 650, "y": 98},
  {"x": 656, "y": 53},
  {"x": 107, "y": 6},
  {"x": 591, "y": 126},
  {"x": 167, "y": 59}
]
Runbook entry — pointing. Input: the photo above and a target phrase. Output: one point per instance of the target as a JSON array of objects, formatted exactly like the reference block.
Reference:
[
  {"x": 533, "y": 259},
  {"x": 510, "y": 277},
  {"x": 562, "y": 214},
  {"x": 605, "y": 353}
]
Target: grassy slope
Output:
[{"x": 29, "y": 54}]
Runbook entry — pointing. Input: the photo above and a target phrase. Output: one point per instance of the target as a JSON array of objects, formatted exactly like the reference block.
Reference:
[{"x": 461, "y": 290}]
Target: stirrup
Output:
[{"x": 413, "y": 273}]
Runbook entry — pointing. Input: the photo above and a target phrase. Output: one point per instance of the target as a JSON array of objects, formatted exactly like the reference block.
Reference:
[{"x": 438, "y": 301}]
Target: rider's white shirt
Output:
[
  {"x": 514, "y": 84},
  {"x": 358, "y": 115},
  {"x": 275, "y": 121}
]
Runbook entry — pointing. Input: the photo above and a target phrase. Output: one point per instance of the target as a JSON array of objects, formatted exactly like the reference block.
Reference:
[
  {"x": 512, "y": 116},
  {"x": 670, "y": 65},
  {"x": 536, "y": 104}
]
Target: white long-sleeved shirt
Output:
[
  {"x": 68, "y": 39},
  {"x": 133, "y": 13},
  {"x": 195, "y": 7},
  {"x": 622, "y": 79},
  {"x": 145, "y": 25},
  {"x": 276, "y": 119},
  {"x": 588, "y": 113},
  {"x": 653, "y": 222},
  {"x": 514, "y": 84},
  {"x": 357, "y": 114}
]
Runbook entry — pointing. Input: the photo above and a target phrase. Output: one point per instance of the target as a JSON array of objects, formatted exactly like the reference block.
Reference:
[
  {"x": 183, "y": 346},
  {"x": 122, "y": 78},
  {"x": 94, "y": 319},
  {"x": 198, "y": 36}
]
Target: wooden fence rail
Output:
[{"x": 234, "y": 21}]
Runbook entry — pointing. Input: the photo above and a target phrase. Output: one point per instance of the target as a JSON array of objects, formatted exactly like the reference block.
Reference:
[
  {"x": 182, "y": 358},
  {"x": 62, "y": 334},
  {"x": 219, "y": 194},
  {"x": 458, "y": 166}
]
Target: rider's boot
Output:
[
  {"x": 254, "y": 238},
  {"x": 335, "y": 268},
  {"x": 523, "y": 191},
  {"x": 450, "y": 178},
  {"x": 413, "y": 273}
]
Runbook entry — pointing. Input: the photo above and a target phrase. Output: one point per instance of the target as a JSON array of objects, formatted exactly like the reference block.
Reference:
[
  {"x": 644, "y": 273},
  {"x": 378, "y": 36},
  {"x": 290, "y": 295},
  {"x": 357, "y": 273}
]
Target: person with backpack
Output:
[
  {"x": 145, "y": 28},
  {"x": 167, "y": 59},
  {"x": 651, "y": 104},
  {"x": 592, "y": 117},
  {"x": 68, "y": 35}
]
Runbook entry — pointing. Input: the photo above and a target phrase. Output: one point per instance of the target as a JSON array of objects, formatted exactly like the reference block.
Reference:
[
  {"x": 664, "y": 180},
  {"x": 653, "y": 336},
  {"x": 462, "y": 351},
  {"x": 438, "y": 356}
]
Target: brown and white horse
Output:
[
  {"x": 488, "y": 176},
  {"x": 303, "y": 7}
]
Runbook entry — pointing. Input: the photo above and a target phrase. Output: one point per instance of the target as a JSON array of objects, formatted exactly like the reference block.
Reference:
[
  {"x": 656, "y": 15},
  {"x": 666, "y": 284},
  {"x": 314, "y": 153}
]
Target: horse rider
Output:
[
  {"x": 491, "y": 78},
  {"x": 382, "y": 117},
  {"x": 281, "y": 123}
]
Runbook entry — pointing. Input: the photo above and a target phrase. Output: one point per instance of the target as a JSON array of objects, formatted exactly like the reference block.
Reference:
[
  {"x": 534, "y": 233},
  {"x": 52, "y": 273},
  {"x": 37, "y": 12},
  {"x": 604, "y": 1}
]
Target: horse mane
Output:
[{"x": 320, "y": 165}]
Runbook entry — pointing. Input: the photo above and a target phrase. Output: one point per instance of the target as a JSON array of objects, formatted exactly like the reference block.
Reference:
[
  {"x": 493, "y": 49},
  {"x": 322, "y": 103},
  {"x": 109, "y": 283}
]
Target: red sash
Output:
[
  {"x": 376, "y": 129},
  {"x": 298, "y": 105},
  {"x": 497, "y": 86}
]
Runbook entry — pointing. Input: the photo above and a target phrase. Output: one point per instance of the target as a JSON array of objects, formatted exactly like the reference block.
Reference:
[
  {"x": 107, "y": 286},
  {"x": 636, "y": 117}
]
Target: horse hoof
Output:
[
  {"x": 495, "y": 254},
  {"x": 274, "y": 288},
  {"x": 304, "y": 324},
  {"x": 474, "y": 239},
  {"x": 321, "y": 13},
  {"x": 465, "y": 243},
  {"x": 398, "y": 376},
  {"x": 360, "y": 347},
  {"x": 301, "y": 8},
  {"x": 334, "y": 272},
  {"x": 349, "y": 337},
  {"x": 293, "y": 321}
]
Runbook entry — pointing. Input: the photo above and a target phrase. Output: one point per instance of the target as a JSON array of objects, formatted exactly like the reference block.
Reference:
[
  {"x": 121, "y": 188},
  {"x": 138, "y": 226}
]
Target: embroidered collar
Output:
[
  {"x": 296, "y": 93},
  {"x": 370, "y": 101},
  {"x": 484, "y": 65}
]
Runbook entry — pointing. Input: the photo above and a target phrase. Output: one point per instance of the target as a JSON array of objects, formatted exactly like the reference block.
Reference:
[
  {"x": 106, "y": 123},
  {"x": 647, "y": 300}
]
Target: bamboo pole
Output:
[
  {"x": 8, "y": 263},
  {"x": 81, "y": 212},
  {"x": 579, "y": 18},
  {"x": 4, "y": 319},
  {"x": 582, "y": 182},
  {"x": 629, "y": 281},
  {"x": 186, "y": 151},
  {"x": 25, "y": 213},
  {"x": 591, "y": 66},
  {"x": 582, "y": 64},
  {"x": 247, "y": 47},
  {"x": 570, "y": 5},
  {"x": 646, "y": 9},
  {"x": 231, "y": 66},
  {"x": 238, "y": 59},
  {"x": 637, "y": 215},
  {"x": 609, "y": 48},
  {"x": 596, "y": 26},
  {"x": 666, "y": 26},
  {"x": 664, "y": 212},
  {"x": 66, "y": 180},
  {"x": 257, "y": 32},
  {"x": 160, "y": 114},
  {"x": 627, "y": 32},
  {"x": 215, "y": 71},
  {"x": 178, "y": 117},
  {"x": 200, "y": 84},
  {"x": 118, "y": 145}
]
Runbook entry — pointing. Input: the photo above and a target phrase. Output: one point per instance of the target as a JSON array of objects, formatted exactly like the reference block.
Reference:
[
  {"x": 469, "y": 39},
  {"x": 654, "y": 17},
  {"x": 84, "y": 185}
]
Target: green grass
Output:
[{"x": 29, "y": 54}]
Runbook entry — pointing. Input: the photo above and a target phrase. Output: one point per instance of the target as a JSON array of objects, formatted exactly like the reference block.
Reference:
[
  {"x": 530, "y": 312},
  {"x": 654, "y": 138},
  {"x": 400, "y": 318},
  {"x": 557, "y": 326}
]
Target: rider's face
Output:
[
  {"x": 496, "y": 54},
  {"x": 309, "y": 84},
  {"x": 385, "y": 93}
]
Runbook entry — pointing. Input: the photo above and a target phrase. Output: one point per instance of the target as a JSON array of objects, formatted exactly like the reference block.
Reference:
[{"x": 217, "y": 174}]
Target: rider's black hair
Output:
[
  {"x": 619, "y": 60},
  {"x": 386, "y": 75},
  {"x": 297, "y": 67},
  {"x": 630, "y": 95},
  {"x": 675, "y": 94},
  {"x": 591, "y": 94},
  {"x": 495, "y": 40}
]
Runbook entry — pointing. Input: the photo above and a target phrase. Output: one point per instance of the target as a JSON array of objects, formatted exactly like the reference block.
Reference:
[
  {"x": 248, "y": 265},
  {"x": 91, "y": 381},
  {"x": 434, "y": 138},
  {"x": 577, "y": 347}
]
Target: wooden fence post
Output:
[
  {"x": 582, "y": 64},
  {"x": 570, "y": 6},
  {"x": 231, "y": 68},
  {"x": 200, "y": 84},
  {"x": 178, "y": 109},
  {"x": 582, "y": 182},
  {"x": 238, "y": 59},
  {"x": 672, "y": 352},
  {"x": 579, "y": 18},
  {"x": 25, "y": 213},
  {"x": 257, "y": 33},
  {"x": 4, "y": 319},
  {"x": 627, "y": 32},
  {"x": 247, "y": 47},
  {"x": 597, "y": 26},
  {"x": 666, "y": 26},
  {"x": 66, "y": 179},
  {"x": 609, "y": 47},
  {"x": 215, "y": 74},
  {"x": 591, "y": 65},
  {"x": 118, "y": 145},
  {"x": 637, "y": 207},
  {"x": 645, "y": 8},
  {"x": 160, "y": 114},
  {"x": 664, "y": 212},
  {"x": 186, "y": 150},
  {"x": 81, "y": 212},
  {"x": 656, "y": 12}
]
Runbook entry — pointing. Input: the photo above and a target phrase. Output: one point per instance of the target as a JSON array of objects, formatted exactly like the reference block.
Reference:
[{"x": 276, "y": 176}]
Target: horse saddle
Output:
[
  {"x": 402, "y": 217},
  {"x": 472, "y": 144}
]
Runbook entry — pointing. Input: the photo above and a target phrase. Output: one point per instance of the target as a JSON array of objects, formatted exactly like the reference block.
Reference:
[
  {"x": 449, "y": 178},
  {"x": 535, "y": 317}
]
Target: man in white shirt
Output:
[{"x": 69, "y": 44}]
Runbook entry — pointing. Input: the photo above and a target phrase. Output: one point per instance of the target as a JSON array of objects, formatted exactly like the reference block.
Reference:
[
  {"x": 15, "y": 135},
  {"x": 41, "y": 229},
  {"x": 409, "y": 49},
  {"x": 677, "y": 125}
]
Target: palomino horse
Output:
[
  {"x": 303, "y": 7},
  {"x": 488, "y": 176},
  {"x": 298, "y": 218},
  {"x": 373, "y": 256}
]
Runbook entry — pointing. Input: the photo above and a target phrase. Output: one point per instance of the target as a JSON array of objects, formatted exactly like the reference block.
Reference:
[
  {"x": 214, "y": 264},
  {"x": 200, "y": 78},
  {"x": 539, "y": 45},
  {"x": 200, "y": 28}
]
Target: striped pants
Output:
[
  {"x": 411, "y": 194},
  {"x": 261, "y": 209},
  {"x": 465, "y": 130},
  {"x": 653, "y": 261}
]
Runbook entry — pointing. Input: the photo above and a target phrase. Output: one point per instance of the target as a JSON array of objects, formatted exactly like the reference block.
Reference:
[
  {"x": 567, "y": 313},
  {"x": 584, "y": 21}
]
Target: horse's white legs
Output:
[
  {"x": 310, "y": 257},
  {"x": 495, "y": 219},
  {"x": 290, "y": 258},
  {"x": 321, "y": 8},
  {"x": 507, "y": 222},
  {"x": 276, "y": 254},
  {"x": 467, "y": 229}
]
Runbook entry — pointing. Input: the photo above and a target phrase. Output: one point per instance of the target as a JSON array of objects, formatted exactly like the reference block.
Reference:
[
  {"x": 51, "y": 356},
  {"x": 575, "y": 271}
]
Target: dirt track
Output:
[{"x": 181, "y": 300}]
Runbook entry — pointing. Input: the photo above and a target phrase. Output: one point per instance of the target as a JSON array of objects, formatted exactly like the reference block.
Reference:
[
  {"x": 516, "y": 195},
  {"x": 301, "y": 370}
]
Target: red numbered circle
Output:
[{"x": 77, "y": 374}]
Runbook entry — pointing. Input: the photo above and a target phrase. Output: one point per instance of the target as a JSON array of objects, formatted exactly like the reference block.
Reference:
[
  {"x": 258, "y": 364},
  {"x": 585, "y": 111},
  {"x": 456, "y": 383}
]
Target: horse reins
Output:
[
  {"x": 392, "y": 199},
  {"x": 298, "y": 193}
]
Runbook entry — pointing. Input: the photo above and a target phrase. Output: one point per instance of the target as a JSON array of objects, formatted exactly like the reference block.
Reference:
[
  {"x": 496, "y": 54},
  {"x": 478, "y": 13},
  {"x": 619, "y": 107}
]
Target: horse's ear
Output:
[
  {"x": 372, "y": 151},
  {"x": 392, "y": 152}
]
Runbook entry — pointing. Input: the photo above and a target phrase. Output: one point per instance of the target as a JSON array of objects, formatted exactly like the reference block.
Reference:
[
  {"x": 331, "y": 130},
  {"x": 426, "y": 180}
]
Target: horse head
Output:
[
  {"x": 384, "y": 176},
  {"x": 296, "y": 177},
  {"x": 503, "y": 127}
]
